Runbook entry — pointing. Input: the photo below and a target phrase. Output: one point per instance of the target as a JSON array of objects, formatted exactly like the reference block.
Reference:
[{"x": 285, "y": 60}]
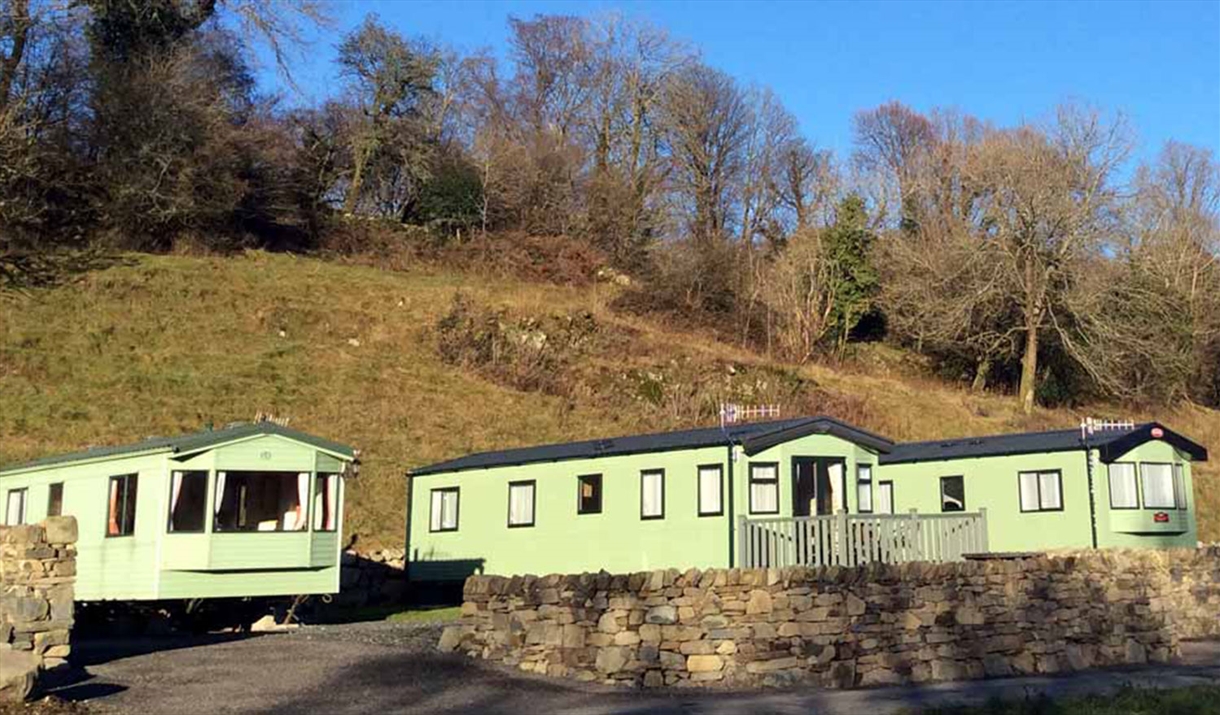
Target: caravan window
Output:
[
  {"x": 55, "y": 499},
  {"x": 1157, "y": 482},
  {"x": 444, "y": 510},
  {"x": 188, "y": 496},
  {"x": 14, "y": 508},
  {"x": 652, "y": 494},
  {"x": 589, "y": 494},
  {"x": 261, "y": 501},
  {"x": 953, "y": 493},
  {"x": 1040, "y": 491},
  {"x": 1122, "y": 486},
  {"x": 711, "y": 490},
  {"x": 121, "y": 511},
  {"x": 521, "y": 503},
  {"x": 1179, "y": 485},
  {"x": 885, "y": 497},
  {"x": 864, "y": 488},
  {"x": 326, "y": 502},
  {"x": 764, "y": 488}
]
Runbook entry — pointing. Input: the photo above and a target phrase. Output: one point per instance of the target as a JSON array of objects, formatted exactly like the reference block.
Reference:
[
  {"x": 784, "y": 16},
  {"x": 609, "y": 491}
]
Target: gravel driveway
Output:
[{"x": 384, "y": 667}]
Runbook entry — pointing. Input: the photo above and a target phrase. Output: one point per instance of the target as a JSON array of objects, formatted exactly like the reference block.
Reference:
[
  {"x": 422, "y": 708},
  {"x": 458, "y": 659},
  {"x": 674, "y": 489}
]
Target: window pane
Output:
[
  {"x": 589, "y": 499},
  {"x": 1179, "y": 486},
  {"x": 187, "y": 500},
  {"x": 864, "y": 488},
  {"x": 121, "y": 517},
  {"x": 55, "y": 499},
  {"x": 444, "y": 510},
  {"x": 261, "y": 501},
  {"x": 1049, "y": 486},
  {"x": 325, "y": 502},
  {"x": 952, "y": 494},
  {"x": 1122, "y": 487},
  {"x": 764, "y": 488},
  {"x": 449, "y": 517},
  {"x": 885, "y": 498},
  {"x": 652, "y": 494},
  {"x": 1157, "y": 481},
  {"x": 14, "y": 512},
  {"x": 709, "y": 490},
  {"x": 520, "y": 504},
  {"x": 1029, "y": 491},
  {"x": 434, "y": 521}
]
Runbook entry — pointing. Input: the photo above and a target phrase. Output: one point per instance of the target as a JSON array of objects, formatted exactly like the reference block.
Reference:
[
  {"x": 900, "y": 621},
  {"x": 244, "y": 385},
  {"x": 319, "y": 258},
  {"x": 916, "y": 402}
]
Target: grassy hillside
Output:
[{"x": 160, "y": 345}]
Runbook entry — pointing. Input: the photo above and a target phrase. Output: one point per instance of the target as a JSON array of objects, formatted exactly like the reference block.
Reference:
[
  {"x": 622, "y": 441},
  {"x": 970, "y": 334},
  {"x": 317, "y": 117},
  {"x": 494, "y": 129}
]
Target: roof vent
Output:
[
  {"x": 603, "y": 445},
  {"x": 947, "y": 445}
]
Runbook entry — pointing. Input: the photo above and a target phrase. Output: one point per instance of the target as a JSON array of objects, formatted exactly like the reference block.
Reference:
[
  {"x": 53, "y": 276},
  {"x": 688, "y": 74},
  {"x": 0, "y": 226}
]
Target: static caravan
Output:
[
  {"x": 809, "y": 491},
  {"x": 250, "y": 510}
]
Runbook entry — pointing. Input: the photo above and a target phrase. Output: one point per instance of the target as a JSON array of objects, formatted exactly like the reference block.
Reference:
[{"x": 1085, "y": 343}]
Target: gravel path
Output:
[{"x": 383, "y": 667}]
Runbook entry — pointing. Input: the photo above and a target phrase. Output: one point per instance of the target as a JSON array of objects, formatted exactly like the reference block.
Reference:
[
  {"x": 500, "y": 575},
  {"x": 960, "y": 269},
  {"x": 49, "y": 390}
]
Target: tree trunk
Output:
[
  {"x": 980, "y": 376},
  {"x": 1029, "y": 368},
  {"x": 9, "y": 64}
]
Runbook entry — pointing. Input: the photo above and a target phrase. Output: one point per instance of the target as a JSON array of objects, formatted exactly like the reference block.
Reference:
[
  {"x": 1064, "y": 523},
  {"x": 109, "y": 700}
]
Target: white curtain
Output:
[
  {"x": 220, "y": 491},
  {"x": 885, "y": 498},
  {"x": 520, "y": 504},
  {"x": 652, "y": 494},
  {"x": 436, "y": 523},
  {"x": 332, "y": 501},
  {"x": 302, "y": 500},
  {"x": 764, "y": 495},
  {"x": 1029, "y": 491},
  {"x": 838, "y": 494},
  {"x": 709, "y": 490},
  {"x": 1049, "y": 485},
  {"x": 1158, "y": 486},
  {"x": 175, "y": 490},
  {"x": 15, "y": 508},
  {"x": 1179, "y": 485},
  {"x": 1122, "y": 486}
]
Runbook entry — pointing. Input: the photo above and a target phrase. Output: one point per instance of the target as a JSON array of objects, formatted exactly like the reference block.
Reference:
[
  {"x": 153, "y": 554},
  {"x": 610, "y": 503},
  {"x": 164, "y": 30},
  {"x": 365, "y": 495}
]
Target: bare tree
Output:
[
  {"x": 705, "y": 118},
  {"x": 891, "y": 142}
]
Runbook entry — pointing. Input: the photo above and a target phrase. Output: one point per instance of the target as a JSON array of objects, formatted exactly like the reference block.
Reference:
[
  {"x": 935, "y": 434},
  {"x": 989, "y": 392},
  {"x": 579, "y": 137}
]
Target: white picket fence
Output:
[{"x": 856, "y": 539}]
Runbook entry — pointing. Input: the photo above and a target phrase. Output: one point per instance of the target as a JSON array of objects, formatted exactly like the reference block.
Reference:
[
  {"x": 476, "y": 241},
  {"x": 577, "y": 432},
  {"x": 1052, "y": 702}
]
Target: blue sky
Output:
[{"x": 1159, "y": 62}]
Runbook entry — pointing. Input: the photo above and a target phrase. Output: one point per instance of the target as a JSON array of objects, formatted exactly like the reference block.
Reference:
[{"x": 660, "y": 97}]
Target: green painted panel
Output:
[
  {"x": 324, "y": 549},
  {"x": 327, "y": 463},
  {"x": 991, "y": 483},
  {"x": 259, "y": 550},
  {"x": 561, "y": 540},
  {"x": 287, "y": 582},
  {"x": 271, "y": 453}
]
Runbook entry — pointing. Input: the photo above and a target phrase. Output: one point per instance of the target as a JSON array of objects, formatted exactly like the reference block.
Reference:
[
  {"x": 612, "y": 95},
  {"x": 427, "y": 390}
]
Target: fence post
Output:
[
  {"x": 919, "y": 553},
  {"x": 843, "y": 554},
  {"x": 984, "y": 548},
  {"x": 743, "y": 544}
]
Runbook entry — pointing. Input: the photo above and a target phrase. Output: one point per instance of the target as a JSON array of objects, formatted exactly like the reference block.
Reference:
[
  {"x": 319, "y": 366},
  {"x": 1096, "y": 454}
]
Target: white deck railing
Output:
[{"x": 856, "y": 539}]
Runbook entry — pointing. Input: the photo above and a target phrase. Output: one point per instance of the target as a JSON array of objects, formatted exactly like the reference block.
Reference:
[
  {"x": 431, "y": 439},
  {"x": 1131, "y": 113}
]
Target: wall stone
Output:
[
  {"x": 846, "y": 627},
  {"x": 371, "y": 578},
  {"x": 37, "y": 573}
]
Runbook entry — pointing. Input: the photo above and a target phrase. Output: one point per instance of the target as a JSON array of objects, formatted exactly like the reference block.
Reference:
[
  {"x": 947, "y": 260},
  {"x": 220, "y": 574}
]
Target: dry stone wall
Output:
[
  {"x": 846, "y": 627},
  {"x": 37, "y": 573}
]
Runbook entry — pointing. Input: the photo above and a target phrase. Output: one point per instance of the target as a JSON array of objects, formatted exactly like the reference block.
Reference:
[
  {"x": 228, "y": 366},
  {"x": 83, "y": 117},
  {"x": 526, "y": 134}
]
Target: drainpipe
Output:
[
  {"x": 1088, "y": 468},
  {"x": 731, "y": 519},
  {"x": 406, "y": 554}
]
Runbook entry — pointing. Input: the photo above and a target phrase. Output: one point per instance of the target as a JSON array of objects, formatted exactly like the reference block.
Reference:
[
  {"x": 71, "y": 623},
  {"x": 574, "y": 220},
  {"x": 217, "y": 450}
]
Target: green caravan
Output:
[
  {"x": 250, "y": 510},
  {"x": 702, "y": 498}
]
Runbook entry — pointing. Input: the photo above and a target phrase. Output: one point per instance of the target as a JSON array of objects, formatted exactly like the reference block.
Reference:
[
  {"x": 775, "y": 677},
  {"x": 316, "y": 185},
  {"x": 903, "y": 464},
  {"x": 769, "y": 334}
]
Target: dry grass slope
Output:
[{"x": 167, "y": 344}]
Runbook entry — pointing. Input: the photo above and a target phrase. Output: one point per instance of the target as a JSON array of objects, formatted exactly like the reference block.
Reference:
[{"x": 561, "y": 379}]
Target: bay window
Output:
[{"x": 261, "y": 501}]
